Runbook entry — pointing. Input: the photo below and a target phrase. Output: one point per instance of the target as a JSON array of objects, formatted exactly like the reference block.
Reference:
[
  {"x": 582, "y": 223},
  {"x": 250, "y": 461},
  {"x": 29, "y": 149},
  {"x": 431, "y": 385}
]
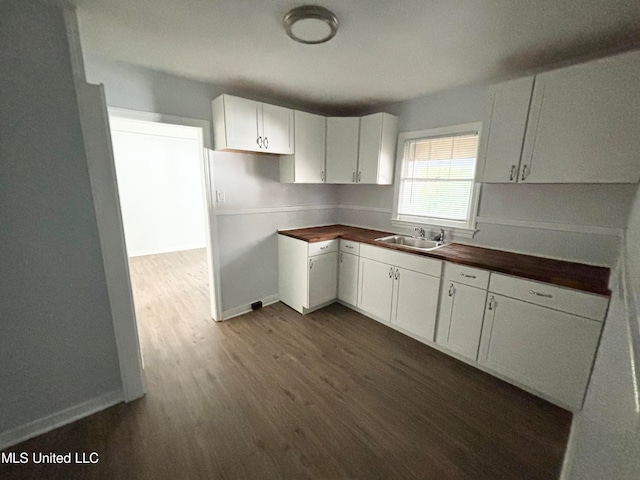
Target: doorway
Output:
[{"x": 164, "y": 183}]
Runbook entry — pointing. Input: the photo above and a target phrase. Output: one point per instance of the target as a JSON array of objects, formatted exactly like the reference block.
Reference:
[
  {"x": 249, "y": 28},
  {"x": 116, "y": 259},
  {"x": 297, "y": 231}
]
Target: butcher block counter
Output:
[{"x": 587, "y": 278}]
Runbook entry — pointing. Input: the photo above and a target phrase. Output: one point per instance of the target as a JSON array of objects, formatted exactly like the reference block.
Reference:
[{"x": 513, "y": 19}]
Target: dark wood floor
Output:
[{"x": 275, "y": 395}]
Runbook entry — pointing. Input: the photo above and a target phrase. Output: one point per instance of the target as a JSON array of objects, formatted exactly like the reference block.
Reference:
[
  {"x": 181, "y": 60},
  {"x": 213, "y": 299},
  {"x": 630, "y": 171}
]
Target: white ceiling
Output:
[{"x": 385, "y": 50}]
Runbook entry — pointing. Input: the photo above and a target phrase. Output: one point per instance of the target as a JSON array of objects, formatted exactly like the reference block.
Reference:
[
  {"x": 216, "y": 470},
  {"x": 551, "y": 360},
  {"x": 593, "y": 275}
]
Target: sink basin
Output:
[{"x": 411, "y": 242}]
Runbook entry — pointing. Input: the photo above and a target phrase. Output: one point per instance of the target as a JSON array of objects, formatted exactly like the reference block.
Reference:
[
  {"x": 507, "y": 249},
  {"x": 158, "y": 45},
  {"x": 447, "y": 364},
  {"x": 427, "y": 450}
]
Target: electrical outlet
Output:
[{"x": 220, "y": 196}]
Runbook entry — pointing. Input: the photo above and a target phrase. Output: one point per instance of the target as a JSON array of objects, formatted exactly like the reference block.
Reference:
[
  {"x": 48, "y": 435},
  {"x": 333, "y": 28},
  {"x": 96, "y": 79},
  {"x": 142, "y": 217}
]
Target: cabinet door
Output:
[
  {"x": 584, "y": 124},
  {"x": 348, "y": 278},
  {"x": 323, "y": 278},
  {"x": 242, "y": 123},
  {"x": 504, "y": 134},
  {"x": 376, "y": 288},
  {"x": 460, "y": 318},
  {"x": 377, "y": 148},
  {"x": 310, "y": 136},
  {"x": 547, "y": 350},
  {"x": 342, "y": 149},
  {"x": 415, "y": 302},
  {"x": 277, "y": 129}
]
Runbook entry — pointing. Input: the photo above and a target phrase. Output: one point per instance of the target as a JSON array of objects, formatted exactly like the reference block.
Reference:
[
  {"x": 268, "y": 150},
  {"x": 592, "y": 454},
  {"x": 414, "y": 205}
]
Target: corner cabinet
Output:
[
  {"x": 342, "y": 149},
  {"x": 307, "y": 164},
  {"x": 247, "y": 125},
  {"x": 542, "y": 336},
  {"x": 308, "y": 273},
  {"x": 400, "y": 288},
  {"x": 576, "y": 124},
  {"x": 361, "y": 149}
]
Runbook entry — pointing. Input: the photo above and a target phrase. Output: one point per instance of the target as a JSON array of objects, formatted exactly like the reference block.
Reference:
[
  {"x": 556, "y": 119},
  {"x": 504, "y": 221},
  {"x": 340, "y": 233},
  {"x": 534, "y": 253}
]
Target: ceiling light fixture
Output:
[{"x": 311, "y": 24}]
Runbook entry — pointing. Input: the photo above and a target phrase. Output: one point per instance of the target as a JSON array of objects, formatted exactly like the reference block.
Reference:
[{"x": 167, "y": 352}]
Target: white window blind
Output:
[{"x": 437, "y": 177}]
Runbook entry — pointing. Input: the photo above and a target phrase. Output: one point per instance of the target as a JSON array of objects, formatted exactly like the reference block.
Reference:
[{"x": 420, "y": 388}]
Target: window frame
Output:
[{"x": 458, "y": 228}]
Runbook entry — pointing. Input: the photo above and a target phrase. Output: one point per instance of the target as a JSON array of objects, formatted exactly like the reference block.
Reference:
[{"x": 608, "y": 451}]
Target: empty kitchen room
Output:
[{"x": 323, "y": 240}]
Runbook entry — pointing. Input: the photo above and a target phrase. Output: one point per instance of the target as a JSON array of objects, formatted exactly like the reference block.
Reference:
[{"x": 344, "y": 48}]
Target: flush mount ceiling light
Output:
[{"x": 311, "y": 24}]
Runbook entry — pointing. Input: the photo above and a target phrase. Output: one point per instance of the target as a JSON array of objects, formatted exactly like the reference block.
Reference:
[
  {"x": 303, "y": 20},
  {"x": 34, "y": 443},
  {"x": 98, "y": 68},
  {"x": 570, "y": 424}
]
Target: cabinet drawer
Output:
[
  {"x": 348, "y": 246},
  {"x": 473, "y": 277},
  {"x": 564, "y": 299},
  {"x": 410, "y": 261},
  {"x": 327, "y": 246}
]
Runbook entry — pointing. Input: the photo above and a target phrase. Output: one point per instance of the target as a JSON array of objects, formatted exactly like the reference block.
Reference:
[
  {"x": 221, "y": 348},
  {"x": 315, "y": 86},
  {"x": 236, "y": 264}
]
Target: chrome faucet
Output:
[{"x": 420, "y": 231}]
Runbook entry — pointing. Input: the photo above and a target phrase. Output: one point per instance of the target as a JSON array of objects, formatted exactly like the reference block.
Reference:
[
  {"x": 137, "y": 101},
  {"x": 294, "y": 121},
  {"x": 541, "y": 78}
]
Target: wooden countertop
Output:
[{"x": 587, "y": 278}]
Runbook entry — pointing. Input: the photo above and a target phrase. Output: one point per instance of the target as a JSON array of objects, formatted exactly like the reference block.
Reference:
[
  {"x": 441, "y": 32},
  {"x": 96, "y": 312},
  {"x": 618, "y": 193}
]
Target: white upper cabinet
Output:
[
  {"x": 307, "y": 164},
  {"x": 579, "y": 124},
  {"x": 377, "y": 148},
  {"x": 504, "y": 135},
  {"x": 246, "y": 125},
  {"x": 584, "y": 123},
  {"x": 342, "y": 149}
]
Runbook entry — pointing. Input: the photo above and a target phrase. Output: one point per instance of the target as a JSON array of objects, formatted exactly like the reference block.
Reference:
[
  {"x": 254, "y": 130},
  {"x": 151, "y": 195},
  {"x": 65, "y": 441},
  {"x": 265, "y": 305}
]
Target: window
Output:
[{"x": 436, "y": 177}]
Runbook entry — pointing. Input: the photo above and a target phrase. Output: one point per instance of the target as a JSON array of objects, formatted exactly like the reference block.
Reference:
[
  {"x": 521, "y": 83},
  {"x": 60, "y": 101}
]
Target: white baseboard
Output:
[
  {"x": 64, "y": 417},
  {"x": 156, "y": 251},
  {"x": 242, "y": 309}
]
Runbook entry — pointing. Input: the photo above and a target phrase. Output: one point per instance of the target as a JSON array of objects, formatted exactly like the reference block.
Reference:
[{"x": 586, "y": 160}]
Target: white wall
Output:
[
  {"x": 159, "y": 169},
  {"x": 592, "y": 213},
  {"x": 57, "y": 344},
  {"x": 605, "y": 439}
]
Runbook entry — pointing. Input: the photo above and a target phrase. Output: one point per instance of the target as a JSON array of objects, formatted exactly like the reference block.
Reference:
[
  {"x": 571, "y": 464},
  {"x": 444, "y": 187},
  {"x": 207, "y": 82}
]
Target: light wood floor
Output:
[{"x": 275, "y": 395}]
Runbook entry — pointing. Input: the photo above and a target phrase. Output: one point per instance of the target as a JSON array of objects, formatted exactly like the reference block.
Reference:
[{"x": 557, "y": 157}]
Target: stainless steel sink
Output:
[{"x": 416, "y": 243}]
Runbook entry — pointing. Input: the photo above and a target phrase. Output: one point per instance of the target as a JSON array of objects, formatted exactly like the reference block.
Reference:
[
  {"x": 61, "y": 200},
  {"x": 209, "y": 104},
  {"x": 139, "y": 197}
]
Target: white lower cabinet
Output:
[
  {"x": 548, "y": 350},
  {"x": 391, "y": 292},
  {"x": 308, "y": 273},
  {"x": 376, "y": 288},
  {"x": 415, "y": 303},
  {"x": 462, "y": 300},
  {"x": 348, "y": 278}
]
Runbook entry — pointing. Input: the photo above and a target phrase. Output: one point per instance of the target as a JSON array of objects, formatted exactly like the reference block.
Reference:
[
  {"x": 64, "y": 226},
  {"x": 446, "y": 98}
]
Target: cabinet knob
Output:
[
  {"x": 310, "y": 263},
  {"x": 524, "y": 172},
  {"x": 322, "y": 177},
  {"x": 341, "y": 257},
  {"x": 353, "y": 177},
  {"x": 359, "y": 177},
  {"x": 466, "y": 275},
  {"x": 390, "y": 272},
  {"x": 397, "y": 275},
  {"x": 259, "y": 141},
  {"x": 266, "y": 143},
  {"x": 452, "y": 290},
  {"x": 513, "y": 174}
]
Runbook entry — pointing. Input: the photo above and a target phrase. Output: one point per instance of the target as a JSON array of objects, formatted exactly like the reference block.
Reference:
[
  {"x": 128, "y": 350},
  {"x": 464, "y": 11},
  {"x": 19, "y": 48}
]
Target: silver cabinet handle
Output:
[
  {"x": 266, "y": 142},
  {"x": 353, "y": 177},
  {"x": 390, "y": 272},
  {"x": 524, "y": 172},
  {"x": 452, "y": 290},
  {"x": 349, "y": 246},
  {"x": 397, "y": 275},
  {"x": 492, "y": 303},
  {"x": 324, "y": 248},
  {"x": 322, "y": 175},
  {"x": 259, "y": 141},
  {"x": 538, "y": 294},
  {"x": 341, "y": 257},
  {"x": 513, "y": 174},
  {"x": 310, "y": 263},
  {"x": 359, "y": 177},
  {"x": 467, "y": 276}
]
